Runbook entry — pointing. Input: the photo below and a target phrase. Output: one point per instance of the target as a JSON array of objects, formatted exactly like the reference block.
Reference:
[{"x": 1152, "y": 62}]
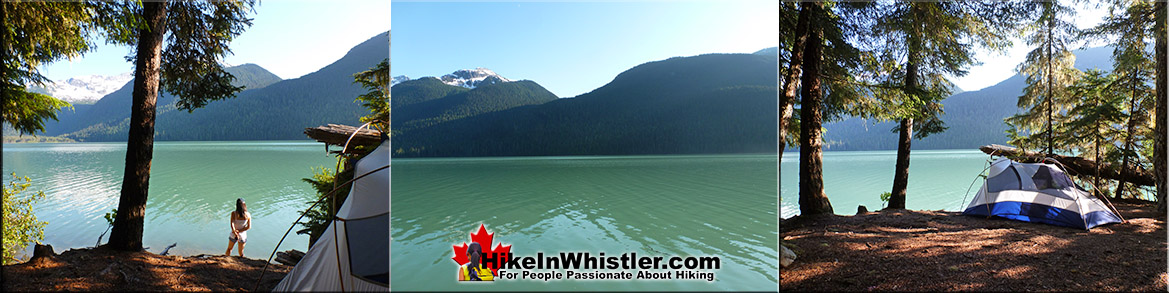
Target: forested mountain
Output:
[
  {"x": 269, "y": 108},
  {"x": 974, "y": 118},
  {"x": 429, "y": 101},
  {"x": 716, "y": 103}
]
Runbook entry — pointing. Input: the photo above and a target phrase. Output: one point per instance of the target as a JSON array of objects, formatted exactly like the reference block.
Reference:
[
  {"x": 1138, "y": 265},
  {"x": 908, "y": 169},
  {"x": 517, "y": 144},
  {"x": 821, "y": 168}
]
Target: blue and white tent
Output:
[{"x": 1038, "y": 193}]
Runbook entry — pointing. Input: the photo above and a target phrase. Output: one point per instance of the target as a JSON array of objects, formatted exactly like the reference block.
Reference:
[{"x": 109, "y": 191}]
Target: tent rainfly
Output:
[
  {"x": 361, "y": 248},
  {"x": 1038, "y": 193}
]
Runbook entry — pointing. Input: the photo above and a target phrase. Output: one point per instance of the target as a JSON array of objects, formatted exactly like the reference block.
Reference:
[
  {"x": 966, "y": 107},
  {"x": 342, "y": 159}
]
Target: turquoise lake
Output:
[
  {"x": 703, "y": 205},
  {"x": 938, "y": 179},
  {"x": 193, "y": 187}
]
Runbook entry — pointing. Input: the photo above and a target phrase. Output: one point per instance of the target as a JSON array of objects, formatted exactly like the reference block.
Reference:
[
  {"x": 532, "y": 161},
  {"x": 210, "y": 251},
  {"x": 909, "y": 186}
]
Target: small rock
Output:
[
  {"x": 788, "y": 256},
  {"x": 861, "y": 209}
]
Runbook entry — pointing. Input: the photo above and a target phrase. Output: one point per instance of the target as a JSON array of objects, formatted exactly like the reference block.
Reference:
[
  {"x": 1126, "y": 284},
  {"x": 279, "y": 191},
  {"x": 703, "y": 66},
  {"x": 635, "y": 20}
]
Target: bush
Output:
[
  {"x": 20, "y": 224},
  {"x": 885, "y": 198}
]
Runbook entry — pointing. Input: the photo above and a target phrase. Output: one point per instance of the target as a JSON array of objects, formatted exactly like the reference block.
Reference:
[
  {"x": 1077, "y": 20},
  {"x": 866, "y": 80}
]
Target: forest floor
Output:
[
  {"x": 103, "y": 269},
  {"x": 908, "y": 250}
]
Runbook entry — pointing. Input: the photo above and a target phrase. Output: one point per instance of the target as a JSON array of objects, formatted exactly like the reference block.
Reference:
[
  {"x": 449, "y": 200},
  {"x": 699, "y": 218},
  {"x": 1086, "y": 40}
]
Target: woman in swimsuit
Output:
[{"x": 241, "y": 221}]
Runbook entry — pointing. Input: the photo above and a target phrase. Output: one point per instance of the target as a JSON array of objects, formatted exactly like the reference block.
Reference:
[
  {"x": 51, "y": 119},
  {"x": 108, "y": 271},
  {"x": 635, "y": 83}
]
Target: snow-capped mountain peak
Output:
[
  {"x": 471, "y": 78},
  {"x": 399, "y": 79},
  {"x": 85, "y": 89}
]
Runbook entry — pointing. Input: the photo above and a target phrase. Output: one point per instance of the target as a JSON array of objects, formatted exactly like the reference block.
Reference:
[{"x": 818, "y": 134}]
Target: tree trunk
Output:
[
  {"x": 1096, "y": 135},
  {"x": 127, "y": 230},
  {"x": 1079, "y": 166},
  {"x": 813, "y": 201},
  {"x": 1130, "y": 132},
  {"x": 905, "y": 130},
  {"x": 1050, "y": 79},
  {"x": 793, "y": 76},
  {"x": 1159, "y": 144}
]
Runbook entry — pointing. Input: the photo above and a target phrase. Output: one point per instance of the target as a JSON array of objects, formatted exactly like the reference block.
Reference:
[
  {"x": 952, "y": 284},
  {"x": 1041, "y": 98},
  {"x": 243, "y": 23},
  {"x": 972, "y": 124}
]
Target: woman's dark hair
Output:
[
  {"x": 474, "y": 252},
  {"x": 240, "y": 207}
]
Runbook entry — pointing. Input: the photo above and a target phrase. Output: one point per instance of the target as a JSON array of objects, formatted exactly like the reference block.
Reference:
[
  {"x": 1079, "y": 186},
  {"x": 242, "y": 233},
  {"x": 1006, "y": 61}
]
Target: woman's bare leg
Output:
[
  {"x": 241, "y": 249},
  {"x": 230, "y": 244}
]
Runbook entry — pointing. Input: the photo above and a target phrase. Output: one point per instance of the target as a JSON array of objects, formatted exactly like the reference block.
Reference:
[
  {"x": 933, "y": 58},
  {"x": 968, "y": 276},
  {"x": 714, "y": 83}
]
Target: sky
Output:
[
  {"x": 571, "y": 48},
  {"x": 290, "y": 38},
  {"x": 997, "y": 67}
]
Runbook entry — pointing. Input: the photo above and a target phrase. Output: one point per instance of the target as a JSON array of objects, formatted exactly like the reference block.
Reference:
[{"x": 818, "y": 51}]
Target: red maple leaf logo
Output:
[{"x": 484, "y": 239}]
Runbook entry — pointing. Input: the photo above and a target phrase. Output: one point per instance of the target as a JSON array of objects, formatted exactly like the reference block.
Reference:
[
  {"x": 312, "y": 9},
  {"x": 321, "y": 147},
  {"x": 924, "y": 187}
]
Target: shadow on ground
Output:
[{"x": 943, "y": 251}]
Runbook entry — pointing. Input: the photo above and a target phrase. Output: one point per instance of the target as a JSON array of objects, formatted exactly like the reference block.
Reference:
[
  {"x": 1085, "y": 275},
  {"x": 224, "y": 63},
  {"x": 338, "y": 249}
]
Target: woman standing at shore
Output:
[{"x": 241, "y": 221}]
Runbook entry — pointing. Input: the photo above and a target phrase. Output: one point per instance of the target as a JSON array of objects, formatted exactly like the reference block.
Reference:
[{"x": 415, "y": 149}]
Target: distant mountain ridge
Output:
[
  {"x": 84, "y": 89},
  {"x": 467, "y": 78},
  {"x": 974, "y": 118},
  {"x": 714, "y": 103},
  {"x": 268, "y": 109}
]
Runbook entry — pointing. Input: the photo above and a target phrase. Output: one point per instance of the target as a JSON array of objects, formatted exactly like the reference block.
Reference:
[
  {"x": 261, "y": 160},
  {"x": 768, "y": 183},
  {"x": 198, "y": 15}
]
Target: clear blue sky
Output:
[
  {"x": 290, "y": 38},
  {"x": 571, "y": 48}
]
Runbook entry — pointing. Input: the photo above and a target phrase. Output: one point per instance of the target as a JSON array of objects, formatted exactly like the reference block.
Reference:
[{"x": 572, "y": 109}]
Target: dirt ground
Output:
[
  {"x": 102, "y": 269},
  {"x": 945, "y": 251}
]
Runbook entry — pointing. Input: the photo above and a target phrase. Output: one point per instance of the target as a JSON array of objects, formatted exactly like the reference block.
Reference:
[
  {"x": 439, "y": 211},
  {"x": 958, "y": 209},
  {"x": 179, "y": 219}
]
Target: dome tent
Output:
[
  {"x": 1038, "y": 193},
  {"x": 361, "y": 248}
]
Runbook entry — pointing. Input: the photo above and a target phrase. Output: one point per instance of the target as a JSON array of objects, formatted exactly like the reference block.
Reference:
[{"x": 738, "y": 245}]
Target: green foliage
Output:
[
  {"x": 44, "y": 32},
  {"x": 1050, "y": 70},
  {"x": 931, "y": 40},
  {"x": 317, "y": 219},
  {"x": 110, "y": 216},
  {"x": 885, "y": 196},
  {"x": 199, "y": 35},
  {"x": 377, "y": 81},
  {"x": 21, "y": 226}
]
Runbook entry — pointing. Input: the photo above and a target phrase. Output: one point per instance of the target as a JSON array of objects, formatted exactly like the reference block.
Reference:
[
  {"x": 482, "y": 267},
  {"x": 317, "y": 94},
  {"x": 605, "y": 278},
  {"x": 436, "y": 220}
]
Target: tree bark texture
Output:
[
  {"x": 127, "y": 231},
  {"x": 813, "y": 201},
  {"x": 792, "y": 87},
  {"x": 1159, "y": 128}
]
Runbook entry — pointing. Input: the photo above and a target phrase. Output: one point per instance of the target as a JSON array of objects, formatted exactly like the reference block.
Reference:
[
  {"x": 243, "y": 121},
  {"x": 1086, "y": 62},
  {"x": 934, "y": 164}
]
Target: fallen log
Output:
[
  {"x": 1079, "y": 166},
  {"x": 335, "y": 134},
  {"x": 290, "y": 257}
]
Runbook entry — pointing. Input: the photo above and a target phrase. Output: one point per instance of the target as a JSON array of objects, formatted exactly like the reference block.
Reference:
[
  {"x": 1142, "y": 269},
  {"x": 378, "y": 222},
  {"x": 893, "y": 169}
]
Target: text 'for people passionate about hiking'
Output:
[{"x": 479, "y": 261}]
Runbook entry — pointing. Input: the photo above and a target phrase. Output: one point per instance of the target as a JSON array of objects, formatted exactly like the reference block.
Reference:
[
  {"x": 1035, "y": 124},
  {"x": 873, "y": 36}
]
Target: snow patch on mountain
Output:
[
  {"x": 399, "y": 79},
  {"x": 84, "y": 89},
  {"x": 471, "y": 78}
]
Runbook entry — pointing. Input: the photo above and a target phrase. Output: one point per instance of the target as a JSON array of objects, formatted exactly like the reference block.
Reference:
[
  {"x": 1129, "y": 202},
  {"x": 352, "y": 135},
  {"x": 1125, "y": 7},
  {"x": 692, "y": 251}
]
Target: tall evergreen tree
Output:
[
  {"x": 196, "y": 36},
  {"x": 791, "y": 76},
  {"x": 1131, "y": 23},
  {"x": 1098, "y": 103},
  {"x": 919, "y": 45},
  {"x": 812, "y": 198},
  {"x": 1050, "y": 70}
]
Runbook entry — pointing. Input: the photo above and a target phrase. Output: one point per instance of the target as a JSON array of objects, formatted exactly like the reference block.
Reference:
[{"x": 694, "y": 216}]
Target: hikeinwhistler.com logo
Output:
[{"x": 479, "y": 261}]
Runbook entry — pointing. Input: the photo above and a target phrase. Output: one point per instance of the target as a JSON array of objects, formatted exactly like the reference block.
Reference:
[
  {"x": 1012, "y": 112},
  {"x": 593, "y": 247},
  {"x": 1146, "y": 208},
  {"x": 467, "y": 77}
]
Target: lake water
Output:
[
  {"x": 710, "y": 205},
  {"x": 193, "y": 187},
  {"x": 938, "y": 179}
]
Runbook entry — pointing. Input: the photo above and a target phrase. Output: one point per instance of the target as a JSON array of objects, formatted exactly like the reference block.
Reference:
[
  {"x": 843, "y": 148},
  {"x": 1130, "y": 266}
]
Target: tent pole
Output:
[{"x": 302, "y": 214}]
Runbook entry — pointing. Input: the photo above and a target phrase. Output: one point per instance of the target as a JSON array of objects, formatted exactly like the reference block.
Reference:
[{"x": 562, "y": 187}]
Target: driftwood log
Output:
[
  {"x": 1080, "y": 166},
  {"x": 336, "y": 134},
  {"x": 290, "y": 257}
]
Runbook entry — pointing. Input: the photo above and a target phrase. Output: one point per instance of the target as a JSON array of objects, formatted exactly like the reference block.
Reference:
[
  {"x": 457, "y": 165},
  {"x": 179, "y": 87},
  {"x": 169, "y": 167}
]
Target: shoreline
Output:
[{"x": 104, "y": 269}]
